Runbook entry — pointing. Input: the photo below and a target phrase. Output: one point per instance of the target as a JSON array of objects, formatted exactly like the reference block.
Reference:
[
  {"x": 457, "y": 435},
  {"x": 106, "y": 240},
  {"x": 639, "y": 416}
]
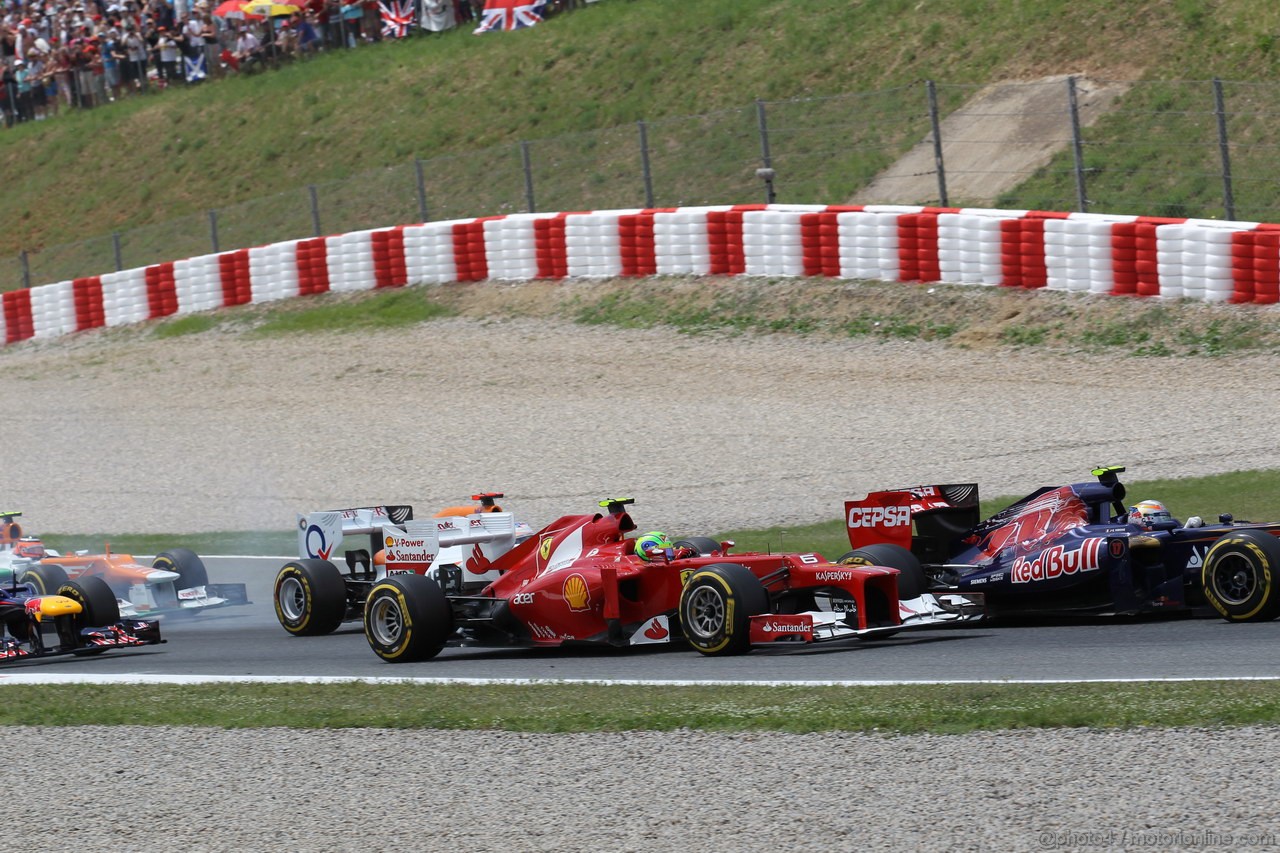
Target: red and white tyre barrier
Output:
[{"x": 1197, "y": 259}]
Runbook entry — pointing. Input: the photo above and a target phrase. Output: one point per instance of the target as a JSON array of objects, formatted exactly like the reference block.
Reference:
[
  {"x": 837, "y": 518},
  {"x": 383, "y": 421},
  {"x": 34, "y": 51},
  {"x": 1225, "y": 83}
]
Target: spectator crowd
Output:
[{"x": 80, "y": 54}]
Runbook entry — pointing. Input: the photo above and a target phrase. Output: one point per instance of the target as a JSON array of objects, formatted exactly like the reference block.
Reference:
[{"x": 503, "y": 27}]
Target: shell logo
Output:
[
  {"x": 575, "y": 593},
  {"x": 389, "y": 541}
]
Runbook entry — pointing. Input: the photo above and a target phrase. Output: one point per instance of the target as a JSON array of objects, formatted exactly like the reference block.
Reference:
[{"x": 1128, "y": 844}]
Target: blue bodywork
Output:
[{"x": 1060, "y": 548}]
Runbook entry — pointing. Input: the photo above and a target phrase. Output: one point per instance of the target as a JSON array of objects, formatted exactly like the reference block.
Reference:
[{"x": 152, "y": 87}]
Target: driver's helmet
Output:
[
  {"x": 652, "y": 540},
  {"x": 30, "y": 548},
  {"x": 1150, "y": 515}
]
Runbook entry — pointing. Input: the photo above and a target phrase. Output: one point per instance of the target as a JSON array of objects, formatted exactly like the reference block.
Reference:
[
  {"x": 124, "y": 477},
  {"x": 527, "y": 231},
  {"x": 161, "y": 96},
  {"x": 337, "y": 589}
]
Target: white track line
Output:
[{"x": 23, "y": 678}]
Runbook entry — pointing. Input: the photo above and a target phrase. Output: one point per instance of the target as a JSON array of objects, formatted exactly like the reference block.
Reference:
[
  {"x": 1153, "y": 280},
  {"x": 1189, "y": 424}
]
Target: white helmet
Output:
[{"x": 1150, "y": 514}]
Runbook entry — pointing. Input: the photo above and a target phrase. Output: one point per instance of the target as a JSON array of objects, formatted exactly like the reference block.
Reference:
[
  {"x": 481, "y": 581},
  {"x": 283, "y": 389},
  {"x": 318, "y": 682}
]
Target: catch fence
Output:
[{"x": 1158, "y": 148}]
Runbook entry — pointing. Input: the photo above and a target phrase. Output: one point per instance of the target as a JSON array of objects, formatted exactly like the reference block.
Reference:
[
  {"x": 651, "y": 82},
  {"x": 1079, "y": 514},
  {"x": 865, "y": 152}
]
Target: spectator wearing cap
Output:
[
  {"x": 308, "y": 39},
  {"x": 201, "y": 36},
  {"x": 50, "y": 80},
  {"x": 37, "y": 62},
  {"x": 167, "y": 47},
  {"x": 248, "y": 50},
  {"x": 113, "y": 59},
  {"x": 317, "y": 14},
  {"x": 135, "y": 52},
  {"x": 83, "y": 58},
  {"x": 97, "y": 70},
  {"x": 22, "y": 75}
]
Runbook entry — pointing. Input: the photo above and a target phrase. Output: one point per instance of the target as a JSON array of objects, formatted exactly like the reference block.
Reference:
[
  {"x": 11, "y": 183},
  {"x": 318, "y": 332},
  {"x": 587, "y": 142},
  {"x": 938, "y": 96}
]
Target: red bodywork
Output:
[{"x": 579, "y": 579}]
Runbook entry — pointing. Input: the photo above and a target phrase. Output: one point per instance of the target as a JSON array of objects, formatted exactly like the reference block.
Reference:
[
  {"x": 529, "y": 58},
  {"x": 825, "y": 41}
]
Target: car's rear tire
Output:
[
  {"x": 703, "y": 546},
  {"x": 45, "y": 580},
  {"x": 911, "y": 580},
  {"x": 407, "y": 618},
  {"x": 189, "y": 567},
  {"x": 310, "y": 597},
  {"x": 1239, "y": 577},
  {"x": 716, "y": 606}
]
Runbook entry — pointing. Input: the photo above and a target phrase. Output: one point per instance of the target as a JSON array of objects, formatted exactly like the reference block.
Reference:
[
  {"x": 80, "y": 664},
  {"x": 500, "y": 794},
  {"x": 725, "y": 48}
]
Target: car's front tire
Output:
[
  {"x": 188, "y": 566},
  {"x": 716, "y": 606},
  {"x": 1239, "y": 576},
  {"x": 911, "y": 579},
  {"x": 99, "y": 609}
]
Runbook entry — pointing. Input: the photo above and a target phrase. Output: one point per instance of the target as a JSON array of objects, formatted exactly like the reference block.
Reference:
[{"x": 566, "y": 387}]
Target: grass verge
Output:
[{"x": 943, "y": 709}]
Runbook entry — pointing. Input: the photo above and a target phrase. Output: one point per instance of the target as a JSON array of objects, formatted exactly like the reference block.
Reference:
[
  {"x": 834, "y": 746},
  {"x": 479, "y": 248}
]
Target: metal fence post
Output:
[
  {"x": 528, "y": 175},
  {"x": 1219, "y": 107},
  {"x": 422, "y": 189},
  {"x": 937, "y": 142},
  {"x": 765, "y": 172},
  {"x": 26, "y": 268},
  {"x": 115, "y": 248},
  {"x": 315, "y": 208},
  {"x": 644, "y": 163},
  {"x": 213, "y": 230},
  {"x": 1077, "y": 146}
]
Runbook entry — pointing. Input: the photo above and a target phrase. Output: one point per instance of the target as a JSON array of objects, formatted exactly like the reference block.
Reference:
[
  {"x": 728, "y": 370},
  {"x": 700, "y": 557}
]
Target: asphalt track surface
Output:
[{"x": 245, "y": 641}]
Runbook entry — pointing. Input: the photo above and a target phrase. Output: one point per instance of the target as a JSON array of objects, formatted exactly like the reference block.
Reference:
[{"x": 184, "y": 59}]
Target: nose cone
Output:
[
  {"x": 53, "y": 606},
  {"x": 161, "y": 576}
]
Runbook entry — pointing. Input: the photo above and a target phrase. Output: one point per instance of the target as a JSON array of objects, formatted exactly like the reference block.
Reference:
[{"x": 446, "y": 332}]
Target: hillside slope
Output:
[{"x": 151, "y": 159}]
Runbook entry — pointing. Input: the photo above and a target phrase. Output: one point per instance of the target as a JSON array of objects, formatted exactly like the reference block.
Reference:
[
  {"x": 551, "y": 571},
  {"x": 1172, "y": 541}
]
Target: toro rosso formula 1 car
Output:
[
  {"x": 175, "y": 582},
  {"x": 1076, "y": 547},
  {"x": 581, "y": 580},
  {"x": 79, "y": 618},
  {"x": 313, "y": 596}
]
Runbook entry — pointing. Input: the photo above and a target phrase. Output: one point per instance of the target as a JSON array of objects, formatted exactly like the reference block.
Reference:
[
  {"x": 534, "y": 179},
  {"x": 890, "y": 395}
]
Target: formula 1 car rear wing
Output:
[
  {"x": 320, "y": 533},
  {"x": 929, "y": 520},
  {"x": 446, "y": 540}
]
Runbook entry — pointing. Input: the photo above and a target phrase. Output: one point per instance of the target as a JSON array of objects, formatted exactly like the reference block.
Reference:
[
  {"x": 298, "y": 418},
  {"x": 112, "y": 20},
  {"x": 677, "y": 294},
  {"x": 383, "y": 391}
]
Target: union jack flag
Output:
[
  {"x": 397, "y": 17},
  {"x": 510, "y": 14}
]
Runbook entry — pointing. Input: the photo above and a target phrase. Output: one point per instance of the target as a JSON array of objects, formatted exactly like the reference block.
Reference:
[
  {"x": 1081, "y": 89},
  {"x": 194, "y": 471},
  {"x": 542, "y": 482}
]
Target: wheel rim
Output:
[
  {"x": 292, "y": 599},
  {"x": 1234, "y": 579},
  {"x": 386, "y": 622},
  {"x": 706, "y": 613}
]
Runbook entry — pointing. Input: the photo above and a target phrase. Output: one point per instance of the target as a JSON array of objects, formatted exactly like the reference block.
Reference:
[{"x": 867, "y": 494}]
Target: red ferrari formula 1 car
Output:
[
  {"x": 581, "y": 580},
  {"x": 79, "y": 618}
]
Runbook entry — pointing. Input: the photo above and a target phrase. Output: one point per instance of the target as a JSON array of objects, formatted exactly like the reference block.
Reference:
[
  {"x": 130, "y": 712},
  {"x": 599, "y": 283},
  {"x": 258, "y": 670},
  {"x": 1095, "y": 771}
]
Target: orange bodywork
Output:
[{"x": 118, "y": 570}]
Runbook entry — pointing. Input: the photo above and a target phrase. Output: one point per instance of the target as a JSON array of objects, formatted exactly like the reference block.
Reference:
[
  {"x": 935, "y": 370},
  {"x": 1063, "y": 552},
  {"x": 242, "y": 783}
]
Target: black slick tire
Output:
[
  {"x": 1240, "y": 577},
  {"x": 407, "y": 619},
  {"x": 310, "y": 597},
  {"x": 716, "y": 606}
]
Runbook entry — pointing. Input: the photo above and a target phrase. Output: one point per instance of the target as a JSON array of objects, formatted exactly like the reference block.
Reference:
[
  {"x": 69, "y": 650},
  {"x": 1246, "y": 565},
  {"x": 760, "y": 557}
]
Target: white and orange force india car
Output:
[
  {"x": 176, "y": 581},
  {"x": 581, "y": 580},
  {"x": 314, "y": 596}
]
